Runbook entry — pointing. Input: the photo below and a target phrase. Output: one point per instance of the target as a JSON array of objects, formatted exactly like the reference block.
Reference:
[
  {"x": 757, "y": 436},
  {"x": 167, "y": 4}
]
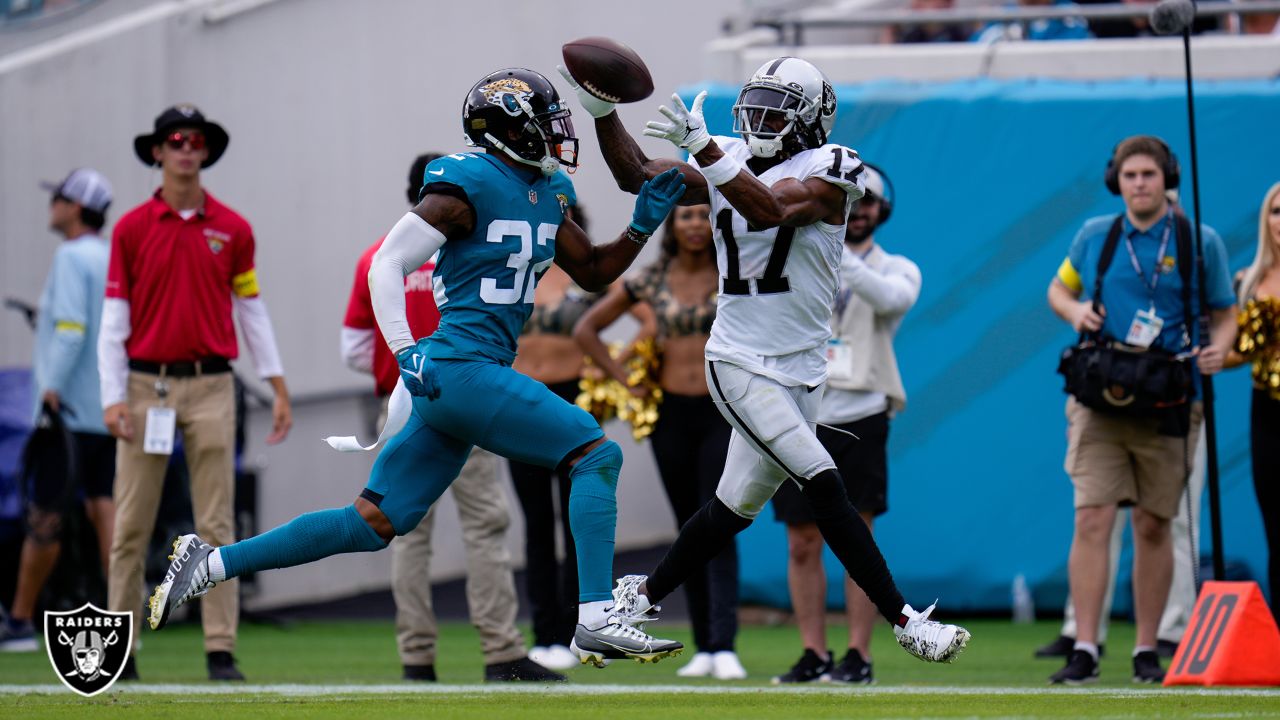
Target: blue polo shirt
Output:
[
  {"x": 1124, "y": 293},
  {"x": 66, "y": 351}
]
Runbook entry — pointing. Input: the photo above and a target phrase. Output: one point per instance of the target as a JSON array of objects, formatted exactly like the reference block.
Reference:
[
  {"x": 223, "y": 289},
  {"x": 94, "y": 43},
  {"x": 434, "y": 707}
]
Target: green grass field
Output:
[{"x": 350, "y": 669}]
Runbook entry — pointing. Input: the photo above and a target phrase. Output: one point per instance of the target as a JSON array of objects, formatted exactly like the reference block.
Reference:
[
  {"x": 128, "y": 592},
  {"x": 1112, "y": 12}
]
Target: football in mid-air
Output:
[{"x": 608, "y": 69}]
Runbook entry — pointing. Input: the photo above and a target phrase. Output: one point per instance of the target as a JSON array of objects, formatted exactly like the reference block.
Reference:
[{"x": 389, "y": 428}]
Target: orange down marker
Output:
[{"x": 1232, "y": 639}]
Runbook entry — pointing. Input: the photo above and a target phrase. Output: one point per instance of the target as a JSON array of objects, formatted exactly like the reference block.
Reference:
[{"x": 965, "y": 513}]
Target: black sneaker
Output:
[
  {"x": 852, "y": 669},
  {"x": 1062, "y": 647},
  {"x": 1146, "y": 668},
  {"x": 18, "y": 636},
  {"x": 1081, "y": 668},
  {"x": 222, "y": 666},
  {"x": 129, "y": 672},
  {"x": 1166, "y": 648},
  {"x": 808, "y": 668},
  {"x": 522, "y": 670},
  {"x": 425, "y": 673}
]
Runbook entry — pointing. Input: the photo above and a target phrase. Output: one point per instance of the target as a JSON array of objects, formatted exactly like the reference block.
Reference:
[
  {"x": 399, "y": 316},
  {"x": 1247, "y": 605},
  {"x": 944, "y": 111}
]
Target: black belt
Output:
[{"x": 208, "y": 366}]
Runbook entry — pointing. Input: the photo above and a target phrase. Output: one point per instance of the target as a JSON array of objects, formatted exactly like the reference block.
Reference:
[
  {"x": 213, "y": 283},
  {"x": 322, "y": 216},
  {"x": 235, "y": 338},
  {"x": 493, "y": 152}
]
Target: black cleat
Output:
[
  {"x": 1081, "y": 668},
  {"x": 522, "y": 670},
  {"x": 808, "y": 668},
  {"x": 222, "y": 666},
  {"x": 1146, "y": 668},
  {"x": 424, "y": 673},
  {"x": 129, "y": 672},
  {"x": 1062, "y": 647},
  {"x": 853, "y": 669},
  {"x": 1166, "y": 648}
]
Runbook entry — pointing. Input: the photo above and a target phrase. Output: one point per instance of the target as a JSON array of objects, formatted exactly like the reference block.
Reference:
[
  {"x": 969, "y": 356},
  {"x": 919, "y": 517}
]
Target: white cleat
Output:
[
  {"x": 726, "y": 666},
  {"x": 700, "y": 666},
  {"x": 186, "y": 579},
  {"x": 618, "y": 640},
  {"x": 930, "y": 640},
  {"x": 554, "y": 657}
]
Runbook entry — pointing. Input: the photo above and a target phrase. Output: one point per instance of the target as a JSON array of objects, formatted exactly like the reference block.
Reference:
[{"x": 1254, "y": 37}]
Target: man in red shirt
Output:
[
  {"x": 181, "y": 262},
  {"x": 481, "y": 500}
]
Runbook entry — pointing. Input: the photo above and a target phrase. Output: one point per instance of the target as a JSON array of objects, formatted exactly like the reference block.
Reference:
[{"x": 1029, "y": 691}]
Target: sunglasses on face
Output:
[{"x": 176, "y": 140}]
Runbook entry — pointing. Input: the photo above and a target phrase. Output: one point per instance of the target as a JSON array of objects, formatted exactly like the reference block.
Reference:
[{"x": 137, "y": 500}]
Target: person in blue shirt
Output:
[
  {"x": 497, "y": 221},
  {"x": 1068, "y": 28},
  {"x": 1116, "y": 460},
  {"x": 66, "y": 378}
]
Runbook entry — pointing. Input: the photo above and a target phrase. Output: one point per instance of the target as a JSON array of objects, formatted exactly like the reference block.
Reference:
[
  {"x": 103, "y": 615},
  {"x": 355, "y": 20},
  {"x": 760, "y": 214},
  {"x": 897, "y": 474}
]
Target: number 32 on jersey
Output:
[{"x": 526, "y": 274}]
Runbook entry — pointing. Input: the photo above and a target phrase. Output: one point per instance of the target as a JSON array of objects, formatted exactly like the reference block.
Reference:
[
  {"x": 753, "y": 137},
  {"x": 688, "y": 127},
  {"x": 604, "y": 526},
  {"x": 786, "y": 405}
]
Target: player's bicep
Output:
[
  {"x": 447, "y": 208},
  {"x": 805, "y": 202}
]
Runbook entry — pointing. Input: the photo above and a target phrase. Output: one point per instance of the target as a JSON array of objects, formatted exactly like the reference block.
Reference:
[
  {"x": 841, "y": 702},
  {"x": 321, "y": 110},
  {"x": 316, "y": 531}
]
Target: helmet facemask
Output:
[
  {"x": 766, "y": 115},
  {"x": 520, "y": 114}
]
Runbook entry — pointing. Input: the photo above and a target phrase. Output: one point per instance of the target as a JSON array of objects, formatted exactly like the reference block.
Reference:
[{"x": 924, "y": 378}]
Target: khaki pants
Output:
[
  {"x": 491, "y": 589},
  {"x": 206, "y": 417}
]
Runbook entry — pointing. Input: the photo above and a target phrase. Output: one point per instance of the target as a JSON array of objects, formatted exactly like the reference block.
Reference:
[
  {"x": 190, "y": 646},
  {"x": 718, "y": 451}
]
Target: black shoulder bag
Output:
[{"x": 1119, "y": 379}]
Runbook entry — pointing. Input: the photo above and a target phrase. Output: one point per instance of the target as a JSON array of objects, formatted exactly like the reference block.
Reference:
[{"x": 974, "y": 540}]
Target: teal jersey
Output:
[{"x": 484, "y": 282}]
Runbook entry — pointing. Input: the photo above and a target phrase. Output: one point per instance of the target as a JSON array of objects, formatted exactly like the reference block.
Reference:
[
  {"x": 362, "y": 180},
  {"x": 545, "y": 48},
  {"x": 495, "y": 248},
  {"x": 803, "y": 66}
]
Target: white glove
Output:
[
  {"x": 594, "y": 106},
  {"x": 687, "y": 129}
]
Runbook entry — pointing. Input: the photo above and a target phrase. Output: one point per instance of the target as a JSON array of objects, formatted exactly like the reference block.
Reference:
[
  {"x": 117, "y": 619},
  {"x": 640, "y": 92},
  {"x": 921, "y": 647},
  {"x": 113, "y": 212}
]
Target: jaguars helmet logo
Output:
[{"x": 508, "y": 94}]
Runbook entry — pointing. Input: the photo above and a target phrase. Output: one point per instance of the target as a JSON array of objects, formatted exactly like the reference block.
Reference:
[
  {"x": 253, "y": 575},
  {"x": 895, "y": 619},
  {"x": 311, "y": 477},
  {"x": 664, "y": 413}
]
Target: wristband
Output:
[
  {"x": 638, "y": 237},
  {"x": 721, "y": 171}
]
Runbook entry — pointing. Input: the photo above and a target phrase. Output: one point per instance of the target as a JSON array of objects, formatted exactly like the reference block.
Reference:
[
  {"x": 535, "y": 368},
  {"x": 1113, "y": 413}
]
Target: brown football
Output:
[{"x": 608, "y": 69}]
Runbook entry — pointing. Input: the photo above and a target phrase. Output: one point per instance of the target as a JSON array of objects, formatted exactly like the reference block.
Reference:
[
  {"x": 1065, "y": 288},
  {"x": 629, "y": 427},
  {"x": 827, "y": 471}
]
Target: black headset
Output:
[
  {"x": 886, "y": 203},
  {"x": 1172, "y": 170}
]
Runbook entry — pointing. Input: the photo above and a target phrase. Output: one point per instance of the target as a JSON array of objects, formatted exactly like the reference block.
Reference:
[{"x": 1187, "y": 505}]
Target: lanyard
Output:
[{"x": 1155, "y": 272}]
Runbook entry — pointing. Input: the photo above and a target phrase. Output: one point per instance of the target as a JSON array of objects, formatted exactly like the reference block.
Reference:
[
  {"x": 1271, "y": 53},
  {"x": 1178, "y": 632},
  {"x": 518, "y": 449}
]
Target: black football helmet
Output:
[{"x": 518, "y": 112}]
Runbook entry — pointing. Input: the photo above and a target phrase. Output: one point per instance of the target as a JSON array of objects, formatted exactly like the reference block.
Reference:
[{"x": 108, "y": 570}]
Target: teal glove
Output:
[
  {"x": 421, "y": 376},
  {"x": 655, "y": 200}
]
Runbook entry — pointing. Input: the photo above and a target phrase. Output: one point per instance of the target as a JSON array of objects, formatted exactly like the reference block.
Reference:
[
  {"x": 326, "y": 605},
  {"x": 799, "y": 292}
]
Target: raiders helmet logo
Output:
[{"x": 88, "y": 646}]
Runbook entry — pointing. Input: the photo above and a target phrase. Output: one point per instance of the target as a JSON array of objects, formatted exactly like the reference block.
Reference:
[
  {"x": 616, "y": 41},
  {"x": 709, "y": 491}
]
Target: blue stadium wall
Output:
[{"x": 993, "y": 179}]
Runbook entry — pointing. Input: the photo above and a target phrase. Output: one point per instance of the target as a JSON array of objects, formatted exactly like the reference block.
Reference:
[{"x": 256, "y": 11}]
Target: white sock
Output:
[
  {"x": 594, "y": 614},
  {"x": 217, "y": 572},
  {"x": 1143, "y": 648},
  {"x": 1090, "y": 648}
]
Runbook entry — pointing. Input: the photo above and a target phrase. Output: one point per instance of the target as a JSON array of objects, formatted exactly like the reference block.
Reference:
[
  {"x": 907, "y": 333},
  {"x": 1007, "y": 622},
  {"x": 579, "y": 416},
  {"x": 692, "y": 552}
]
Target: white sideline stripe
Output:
[{"x": 480, "y": 690}]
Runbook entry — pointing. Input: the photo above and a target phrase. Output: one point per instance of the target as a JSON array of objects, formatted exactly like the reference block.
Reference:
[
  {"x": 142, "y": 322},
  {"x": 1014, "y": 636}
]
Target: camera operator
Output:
[{"x": 1134, "y": 418}]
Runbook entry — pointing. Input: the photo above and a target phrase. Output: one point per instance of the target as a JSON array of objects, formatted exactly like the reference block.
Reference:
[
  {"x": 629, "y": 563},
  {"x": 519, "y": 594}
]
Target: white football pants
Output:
[{"x": 773, "y": 436}]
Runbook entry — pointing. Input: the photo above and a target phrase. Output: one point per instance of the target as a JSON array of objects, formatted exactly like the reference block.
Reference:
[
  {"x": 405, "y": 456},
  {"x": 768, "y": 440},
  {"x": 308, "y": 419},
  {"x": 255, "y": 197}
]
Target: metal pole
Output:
[{"x": 1206, "y": 381}]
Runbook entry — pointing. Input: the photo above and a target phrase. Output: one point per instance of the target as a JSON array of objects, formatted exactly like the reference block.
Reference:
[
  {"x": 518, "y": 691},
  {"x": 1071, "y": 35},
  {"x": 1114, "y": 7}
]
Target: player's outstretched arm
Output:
[
  {"x": 594, "y": 267},
  {"x": 412, "y": 242},
  {"x": 788, "y": 202},
  {"x": 628, "y": 163}
]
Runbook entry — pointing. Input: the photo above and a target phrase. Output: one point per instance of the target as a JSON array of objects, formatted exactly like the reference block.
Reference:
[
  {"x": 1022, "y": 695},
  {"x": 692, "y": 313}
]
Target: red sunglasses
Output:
[{"x": 176, "y": 140}]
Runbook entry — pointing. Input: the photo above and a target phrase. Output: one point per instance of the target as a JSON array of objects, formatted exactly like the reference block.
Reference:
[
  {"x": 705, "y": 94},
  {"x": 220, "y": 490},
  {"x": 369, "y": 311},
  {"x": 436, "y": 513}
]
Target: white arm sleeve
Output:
[
  {"x": 357, "y": 348},
  {"x": 259, "y": 336},
  {"x": 113, "y": 361},
  {"x": 410, "y": 243},
  {"x": 892, "y": 292}
]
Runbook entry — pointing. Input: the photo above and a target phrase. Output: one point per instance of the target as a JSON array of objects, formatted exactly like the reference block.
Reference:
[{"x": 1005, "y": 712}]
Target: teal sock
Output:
[
  {"x": 593, "y": 518},
  {"x": 304, "y": 539}
]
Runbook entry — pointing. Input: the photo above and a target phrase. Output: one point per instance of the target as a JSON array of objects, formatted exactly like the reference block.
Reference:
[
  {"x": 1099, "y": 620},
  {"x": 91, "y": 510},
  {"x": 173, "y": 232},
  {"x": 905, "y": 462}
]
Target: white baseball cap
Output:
[
  {"x": 84, "y": 186},
  {"x": 874, "y": 183}
]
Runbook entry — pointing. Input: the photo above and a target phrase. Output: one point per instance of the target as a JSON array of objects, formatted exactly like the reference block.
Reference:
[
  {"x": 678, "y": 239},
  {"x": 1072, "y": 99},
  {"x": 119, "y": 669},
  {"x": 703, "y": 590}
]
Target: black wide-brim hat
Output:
[{"x": 215, "y": 137}]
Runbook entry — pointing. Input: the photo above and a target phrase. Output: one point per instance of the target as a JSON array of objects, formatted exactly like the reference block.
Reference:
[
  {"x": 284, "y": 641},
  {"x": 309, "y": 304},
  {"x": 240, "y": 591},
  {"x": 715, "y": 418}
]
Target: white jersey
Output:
[{"x": 778, "y": 286}]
